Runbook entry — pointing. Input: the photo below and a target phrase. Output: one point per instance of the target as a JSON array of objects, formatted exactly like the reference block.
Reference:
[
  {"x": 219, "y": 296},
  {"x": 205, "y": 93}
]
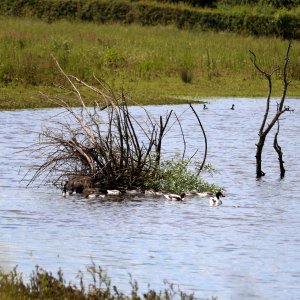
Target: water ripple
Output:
[{"x": 246, "y": 249}]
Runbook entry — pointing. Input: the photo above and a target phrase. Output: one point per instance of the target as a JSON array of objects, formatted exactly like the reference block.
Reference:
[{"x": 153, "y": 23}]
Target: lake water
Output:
[{"x": 248, "y": 248}]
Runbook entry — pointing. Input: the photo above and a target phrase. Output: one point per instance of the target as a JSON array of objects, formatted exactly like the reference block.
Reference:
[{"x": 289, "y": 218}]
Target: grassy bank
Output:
[
  {"x": 44, "y": 285},
  {"x": 155, "y": 65}
]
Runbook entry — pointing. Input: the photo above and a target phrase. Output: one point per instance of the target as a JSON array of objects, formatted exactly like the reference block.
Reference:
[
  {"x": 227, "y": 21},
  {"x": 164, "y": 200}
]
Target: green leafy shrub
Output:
[{"x": 176, "y": 176}]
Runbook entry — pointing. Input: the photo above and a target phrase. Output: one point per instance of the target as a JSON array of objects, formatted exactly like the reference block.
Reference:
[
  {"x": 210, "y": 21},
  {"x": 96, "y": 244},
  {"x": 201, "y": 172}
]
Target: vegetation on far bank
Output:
[
  {"x": 260, "y": 20},
  {"x": 157, "y": 65}
]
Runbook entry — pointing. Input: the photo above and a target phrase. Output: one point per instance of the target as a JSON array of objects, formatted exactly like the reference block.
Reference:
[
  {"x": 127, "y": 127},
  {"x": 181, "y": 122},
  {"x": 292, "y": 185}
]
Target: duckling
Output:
[
  {"x": 175, "y": 197},
  {"x": 94, "y": 195},
  {"x": 216, "y": 201},
  {"x": 91, "y": 192},
  {"x": 65, "y": 191}
]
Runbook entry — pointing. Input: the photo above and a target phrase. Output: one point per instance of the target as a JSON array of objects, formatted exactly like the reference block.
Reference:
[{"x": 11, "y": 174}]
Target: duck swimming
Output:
[
  {"x": 114, "y": 192},
  {"x": 204, "y": 107},
  {"x": 215, "y": 200},
  {"x": 175, "y": 197},
  {"x": 65, "y": 193},
  {"x": 232, "y": 107}
]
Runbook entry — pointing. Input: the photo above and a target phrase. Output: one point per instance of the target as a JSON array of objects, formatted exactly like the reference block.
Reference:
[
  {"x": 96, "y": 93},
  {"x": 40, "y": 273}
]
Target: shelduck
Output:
[
  {"x": 65, "y": 193},
  {"x": 175, "y": 197},
  {"x": 113, "y": 192},
  {"x": 215, "y": 200}
]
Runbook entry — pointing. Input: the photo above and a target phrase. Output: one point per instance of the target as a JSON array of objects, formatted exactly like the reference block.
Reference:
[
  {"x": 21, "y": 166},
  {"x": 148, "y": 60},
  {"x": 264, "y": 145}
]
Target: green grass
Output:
[
  {"x": 44, "y": 285},
  {"x": 147, "y": 61}
]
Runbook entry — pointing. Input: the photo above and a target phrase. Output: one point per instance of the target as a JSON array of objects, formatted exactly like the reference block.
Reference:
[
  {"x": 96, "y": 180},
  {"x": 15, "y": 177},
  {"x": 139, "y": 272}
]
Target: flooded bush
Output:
[{"x": 106, "y": 147}]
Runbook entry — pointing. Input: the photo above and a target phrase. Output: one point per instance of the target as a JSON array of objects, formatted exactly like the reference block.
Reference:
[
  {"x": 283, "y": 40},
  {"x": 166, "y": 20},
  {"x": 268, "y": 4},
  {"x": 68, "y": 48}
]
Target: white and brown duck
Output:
[{"x": 215, "y": 200}]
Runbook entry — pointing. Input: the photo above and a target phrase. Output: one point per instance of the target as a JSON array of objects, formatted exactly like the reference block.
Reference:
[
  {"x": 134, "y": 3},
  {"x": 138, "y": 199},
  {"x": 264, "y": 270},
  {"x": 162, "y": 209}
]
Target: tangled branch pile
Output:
[{"x": 104, "y": 146}]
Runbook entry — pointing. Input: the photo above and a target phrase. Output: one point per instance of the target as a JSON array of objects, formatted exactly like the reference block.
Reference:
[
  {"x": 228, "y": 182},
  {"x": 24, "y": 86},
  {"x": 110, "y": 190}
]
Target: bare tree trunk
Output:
[
  {"x": 265, "y": 128},
  {"x": 279, "y": 152},
  {"x": 259, "y": 149}
]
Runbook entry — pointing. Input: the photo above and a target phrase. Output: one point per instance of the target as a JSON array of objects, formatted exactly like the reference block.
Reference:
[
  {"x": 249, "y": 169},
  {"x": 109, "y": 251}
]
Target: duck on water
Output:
[
  {"x": 215, "y": 200},
  {"x": 175, "y": 197}
]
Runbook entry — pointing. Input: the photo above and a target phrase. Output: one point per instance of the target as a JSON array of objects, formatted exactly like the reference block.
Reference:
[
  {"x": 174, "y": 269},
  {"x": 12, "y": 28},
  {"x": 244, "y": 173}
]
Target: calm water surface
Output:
[{"x": 249, "y": 248}]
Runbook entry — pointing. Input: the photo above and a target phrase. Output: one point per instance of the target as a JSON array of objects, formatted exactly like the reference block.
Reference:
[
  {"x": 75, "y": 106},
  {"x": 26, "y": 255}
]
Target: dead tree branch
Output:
[
  {"x": 266, "y": 128},
  {"x": 205, "y": 140},
  {"x": 279, "y": 151}
]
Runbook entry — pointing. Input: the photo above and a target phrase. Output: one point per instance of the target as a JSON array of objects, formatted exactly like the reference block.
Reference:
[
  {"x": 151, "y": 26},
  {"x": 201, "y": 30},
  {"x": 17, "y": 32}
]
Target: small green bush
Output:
[{"x": 176, "y": 176}]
